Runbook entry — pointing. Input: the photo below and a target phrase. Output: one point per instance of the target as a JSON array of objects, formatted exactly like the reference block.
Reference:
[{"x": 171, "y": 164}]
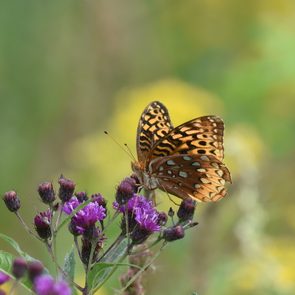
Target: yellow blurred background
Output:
[{"x": 71, "y": 69}]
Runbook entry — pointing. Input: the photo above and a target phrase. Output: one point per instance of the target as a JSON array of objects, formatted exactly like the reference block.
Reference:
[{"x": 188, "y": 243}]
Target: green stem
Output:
[
  {"x": 115, "y": 243},
  {"x": 26, "y": 227},
  {"x": 60, "y": 268}
]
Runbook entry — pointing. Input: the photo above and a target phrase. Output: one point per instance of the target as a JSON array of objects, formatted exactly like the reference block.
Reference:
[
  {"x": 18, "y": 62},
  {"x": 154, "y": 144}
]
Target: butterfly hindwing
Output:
[
  {"x": 154, "y": 123},
  {"x": 200, "y": 177}
]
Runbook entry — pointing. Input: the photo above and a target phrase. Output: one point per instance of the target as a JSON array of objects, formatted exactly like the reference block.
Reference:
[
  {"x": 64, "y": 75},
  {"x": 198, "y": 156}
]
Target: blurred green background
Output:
[{"x": 71, "y": 69}]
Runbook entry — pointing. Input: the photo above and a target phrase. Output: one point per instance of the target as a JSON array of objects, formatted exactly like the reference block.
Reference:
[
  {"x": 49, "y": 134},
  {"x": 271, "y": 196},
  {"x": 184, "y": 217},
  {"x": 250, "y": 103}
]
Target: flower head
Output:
[
  {"x": 42, "y": 224},
  {"x": 46, "y": 285},
  {"x": 142, "y": 218},
  {"x": 86, "y": 218},
  {"x": 71, "y": 205},
  {"x": 12, "y": 201},
  {"x": 46, "y": 192}
]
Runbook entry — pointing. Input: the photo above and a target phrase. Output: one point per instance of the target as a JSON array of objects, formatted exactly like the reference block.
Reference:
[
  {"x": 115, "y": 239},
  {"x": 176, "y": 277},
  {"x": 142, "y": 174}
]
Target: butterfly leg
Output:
[{"x": 150, "y": 195}]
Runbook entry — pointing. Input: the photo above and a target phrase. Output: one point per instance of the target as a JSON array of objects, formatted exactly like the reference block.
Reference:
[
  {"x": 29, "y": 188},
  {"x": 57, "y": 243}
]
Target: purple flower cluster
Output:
[
  {"x": 46, "y": 285},
  {"x": 86, "y": 218},
  {"x": 142, "y": 218}
]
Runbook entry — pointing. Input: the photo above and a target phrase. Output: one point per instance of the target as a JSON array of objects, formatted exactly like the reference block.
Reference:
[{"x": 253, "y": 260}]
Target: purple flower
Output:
[
  {"x": 143, "y": 218},
  {"x": 46, "y": 285},
  {"x": 86, "y": 218},
  {"x": 42, "y": 224},
  {"x": 148, "y": 220},
  {"x": 4, "y": 277},
  {"x": 71, "y": 205}
]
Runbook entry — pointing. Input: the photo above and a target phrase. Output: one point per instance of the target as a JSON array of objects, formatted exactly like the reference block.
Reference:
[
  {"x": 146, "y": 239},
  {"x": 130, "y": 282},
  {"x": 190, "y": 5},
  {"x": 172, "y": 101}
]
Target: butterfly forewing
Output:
[
  {"x": 200, "y": 177},
  {"x": 200, "y": 136},
  {"x": 154, "y": 124}
]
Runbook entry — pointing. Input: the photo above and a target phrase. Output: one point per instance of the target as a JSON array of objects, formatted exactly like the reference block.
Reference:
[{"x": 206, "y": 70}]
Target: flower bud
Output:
[
  {"x": 125, "y": 191},
  {"x": 173, "y": 233},
  {"x": 42, "y": 224},
  {"x": 12, "y": 201},
  {"x": 186, "y": 210},
  {"x": 171, "y": 212},
  {"x": 46, "y": 192},
  {"x": 35, "y": 269},
  {"x": 99, "y": 199},
  {"x": 66, "y": 189},
  {"x": 162, "y": 218},
  {"x": 81, "y": 196},
  {"x": 19, "y": 267}
]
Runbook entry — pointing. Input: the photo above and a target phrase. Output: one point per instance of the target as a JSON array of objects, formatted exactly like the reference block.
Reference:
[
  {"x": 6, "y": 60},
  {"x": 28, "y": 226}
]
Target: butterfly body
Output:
[{"x": 185, "y": 161}]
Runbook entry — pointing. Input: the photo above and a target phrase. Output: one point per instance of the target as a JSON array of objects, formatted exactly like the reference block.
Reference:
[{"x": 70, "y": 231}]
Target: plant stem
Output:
[
  {"x": 117, "y": 241},
  {"x": 27, "y": 228},
  {"x": 60, "y": 268}
]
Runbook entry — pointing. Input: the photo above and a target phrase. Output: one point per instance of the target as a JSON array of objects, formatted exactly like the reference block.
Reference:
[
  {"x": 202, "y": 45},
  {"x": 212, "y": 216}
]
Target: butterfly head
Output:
[{"x": 145, "y": 178}]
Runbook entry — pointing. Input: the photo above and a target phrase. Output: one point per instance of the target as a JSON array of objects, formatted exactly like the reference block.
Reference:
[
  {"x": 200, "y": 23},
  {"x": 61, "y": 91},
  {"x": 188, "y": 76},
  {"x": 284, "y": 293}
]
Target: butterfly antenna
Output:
[{"x": 128, "y": 152}]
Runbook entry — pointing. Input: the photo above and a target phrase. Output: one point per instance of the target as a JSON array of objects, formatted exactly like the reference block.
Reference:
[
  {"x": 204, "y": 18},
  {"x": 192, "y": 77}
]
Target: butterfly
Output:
[{"x": 185, "y": 161}]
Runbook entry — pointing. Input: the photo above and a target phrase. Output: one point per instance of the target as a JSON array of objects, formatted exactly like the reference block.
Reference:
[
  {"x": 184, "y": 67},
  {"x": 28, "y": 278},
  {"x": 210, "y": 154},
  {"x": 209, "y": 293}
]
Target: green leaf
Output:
[
  {"x": 101, "y": 271},
  {"x": 69, "y": 264},
  {"x": 16, "y": 247},
  {"x": 6, "y": 260}
]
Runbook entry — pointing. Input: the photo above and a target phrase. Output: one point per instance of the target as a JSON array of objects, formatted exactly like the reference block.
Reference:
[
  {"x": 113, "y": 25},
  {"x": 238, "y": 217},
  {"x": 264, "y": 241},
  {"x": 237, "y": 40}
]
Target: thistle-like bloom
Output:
[
  {"x": 46, "y": 285},
  {"x": 12, "y": 201},
  {"x": 4, "y": 277},
  {"x": 86, "y": 218},
  {"x": 71, "y": 205},
  {"x": 42, "y": 224},
  {"x": 142, "y": 218}
]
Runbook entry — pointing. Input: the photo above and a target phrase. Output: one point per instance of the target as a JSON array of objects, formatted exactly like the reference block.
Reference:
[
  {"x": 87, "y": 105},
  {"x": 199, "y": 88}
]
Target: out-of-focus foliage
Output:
[{"x": 71, "y": 69}]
